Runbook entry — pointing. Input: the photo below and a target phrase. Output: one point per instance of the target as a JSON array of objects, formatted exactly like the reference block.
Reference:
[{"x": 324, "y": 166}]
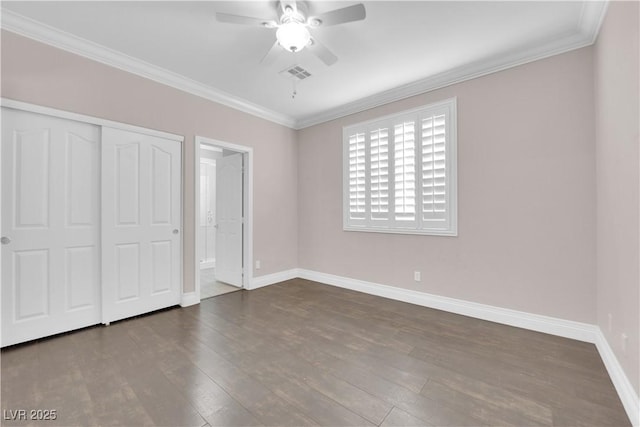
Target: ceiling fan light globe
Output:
[{"x": 293, "y": 36}]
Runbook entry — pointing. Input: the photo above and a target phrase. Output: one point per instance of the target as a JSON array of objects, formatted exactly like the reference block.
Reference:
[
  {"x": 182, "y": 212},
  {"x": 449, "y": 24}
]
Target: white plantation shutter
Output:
[
  {"x": 434, "y": 155},
  {"x": 405, "y": 171},
  {"x": 379, "y": 173},
  {"x": 357, "y": 166},
  {"x": 400, "y": 172}
]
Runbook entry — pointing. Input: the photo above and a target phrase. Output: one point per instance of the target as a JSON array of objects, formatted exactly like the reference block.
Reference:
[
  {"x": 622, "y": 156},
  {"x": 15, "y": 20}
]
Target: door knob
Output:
[
  {"x": 176, "y": 231},
  {"x": 5, "y": 240}
]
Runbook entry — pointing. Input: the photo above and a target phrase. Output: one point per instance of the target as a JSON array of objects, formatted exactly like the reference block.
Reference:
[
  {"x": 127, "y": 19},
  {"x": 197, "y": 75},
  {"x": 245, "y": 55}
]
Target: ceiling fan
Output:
[{"x": 293, "y": 24}]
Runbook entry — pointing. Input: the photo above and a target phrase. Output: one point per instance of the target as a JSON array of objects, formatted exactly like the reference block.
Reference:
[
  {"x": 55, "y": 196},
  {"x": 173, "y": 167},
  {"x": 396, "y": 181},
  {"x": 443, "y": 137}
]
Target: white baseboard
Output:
[
  {"x": 270, "y": 279},
  {"x": 621, "y": 382},
  {"x": 189, "y": 298},
  {"x": 549, "y": 325}
]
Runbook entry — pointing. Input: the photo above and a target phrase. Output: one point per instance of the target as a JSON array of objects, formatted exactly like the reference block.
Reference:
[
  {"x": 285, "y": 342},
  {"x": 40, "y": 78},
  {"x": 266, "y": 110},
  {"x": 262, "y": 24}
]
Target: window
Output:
[{"x": 400, "y": 172}]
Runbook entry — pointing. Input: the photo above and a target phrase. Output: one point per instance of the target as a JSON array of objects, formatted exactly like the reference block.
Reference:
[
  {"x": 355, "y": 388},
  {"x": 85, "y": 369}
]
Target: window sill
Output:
[{"x": 433, "y": 232}]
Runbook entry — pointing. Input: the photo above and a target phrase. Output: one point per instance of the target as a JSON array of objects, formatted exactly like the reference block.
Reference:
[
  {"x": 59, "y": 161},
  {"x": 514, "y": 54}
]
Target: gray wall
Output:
[
  {"x": 618, "y": 183},
  {"x": 40, "y": 74},
  {"x": 526, "y": 197}
]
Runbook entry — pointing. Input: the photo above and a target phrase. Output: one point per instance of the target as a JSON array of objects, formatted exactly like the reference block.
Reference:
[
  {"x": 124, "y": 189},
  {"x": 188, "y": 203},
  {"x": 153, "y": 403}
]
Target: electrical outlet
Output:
[
  {"x": 416, "y": 276},
  {"x": 625, "y": 338},
  {"x": 258, "y": 265},
  {"x": 610, "y": 324}
]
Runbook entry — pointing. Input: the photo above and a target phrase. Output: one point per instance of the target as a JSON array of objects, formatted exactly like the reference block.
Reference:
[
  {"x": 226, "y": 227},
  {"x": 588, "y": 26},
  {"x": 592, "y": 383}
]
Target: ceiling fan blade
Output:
[
  {"x": 242, "y": 20},
  {"x": 322, "y": 52},
  {"x": 271, "y": 54},
  {"x": 356, "y": 12}
]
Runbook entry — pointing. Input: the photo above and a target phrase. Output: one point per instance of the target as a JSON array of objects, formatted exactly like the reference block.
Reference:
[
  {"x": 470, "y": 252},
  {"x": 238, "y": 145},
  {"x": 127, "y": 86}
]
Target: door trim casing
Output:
[{"x": 247, "y": 238}]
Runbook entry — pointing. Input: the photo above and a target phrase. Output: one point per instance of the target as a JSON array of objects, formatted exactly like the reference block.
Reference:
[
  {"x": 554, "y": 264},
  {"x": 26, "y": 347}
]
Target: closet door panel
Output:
[
  {"x": 81, "y": 268},
  {"x": 30, "y": 284},
  {"x": 31, "y": 163},
  {"x": 127, "y": 193},
  {"x": 81, "y": 199},
  {"x": 161, "y": 189},
  {"x": 161, "y": 266},
  {"x": 141, "y": 223},
  {"x": 50, "y": 254},
  {"x": 127, "y": 270}
]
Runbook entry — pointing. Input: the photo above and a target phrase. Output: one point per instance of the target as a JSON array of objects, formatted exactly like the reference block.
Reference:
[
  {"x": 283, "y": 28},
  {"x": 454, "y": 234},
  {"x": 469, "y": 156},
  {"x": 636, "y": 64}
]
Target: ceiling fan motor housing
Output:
[{"x": 292, "y": 11}]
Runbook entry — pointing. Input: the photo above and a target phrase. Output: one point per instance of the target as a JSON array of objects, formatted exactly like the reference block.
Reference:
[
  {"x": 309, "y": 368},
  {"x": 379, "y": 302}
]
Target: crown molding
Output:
[
  {"x": 591, "y": 17},
  {"x": 585, "y": 34},
  {"x": 38, "y": 31}
]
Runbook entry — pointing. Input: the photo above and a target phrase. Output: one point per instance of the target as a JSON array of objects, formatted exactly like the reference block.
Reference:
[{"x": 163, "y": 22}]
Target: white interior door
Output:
[
  {"x": 50, "y": 225},
  {"x": 229, "y": 217},
  {"x": 141, "y": 223}
]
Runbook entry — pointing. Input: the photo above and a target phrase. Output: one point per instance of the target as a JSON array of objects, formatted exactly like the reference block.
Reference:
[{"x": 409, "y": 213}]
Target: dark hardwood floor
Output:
[{"x": 301, "y": 353}]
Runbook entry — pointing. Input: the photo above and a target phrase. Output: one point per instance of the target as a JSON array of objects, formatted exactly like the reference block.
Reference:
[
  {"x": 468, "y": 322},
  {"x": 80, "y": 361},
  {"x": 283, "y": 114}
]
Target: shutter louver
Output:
[
  {"x": 405, "y": 176},
  {"x": 434, "y": 195},
  {"x": 379, "y": 174},
  {"x": 357, "y": 168}
]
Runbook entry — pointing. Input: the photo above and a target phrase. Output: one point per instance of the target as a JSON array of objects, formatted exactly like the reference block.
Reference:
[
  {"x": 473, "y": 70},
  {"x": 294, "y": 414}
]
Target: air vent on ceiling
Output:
[{"x": 296, "y": 72}]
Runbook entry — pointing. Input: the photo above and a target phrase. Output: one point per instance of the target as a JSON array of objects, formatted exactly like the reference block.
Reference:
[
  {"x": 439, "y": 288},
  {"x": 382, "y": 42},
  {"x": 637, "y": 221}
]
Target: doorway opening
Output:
[{"x": 223, "y": 217}]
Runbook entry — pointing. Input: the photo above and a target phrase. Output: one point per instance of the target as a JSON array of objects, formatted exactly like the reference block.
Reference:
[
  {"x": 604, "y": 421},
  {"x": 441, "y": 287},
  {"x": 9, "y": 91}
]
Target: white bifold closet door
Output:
[
  {"x": 141, "y": 223},
  {"x": 50, "y": 225}
]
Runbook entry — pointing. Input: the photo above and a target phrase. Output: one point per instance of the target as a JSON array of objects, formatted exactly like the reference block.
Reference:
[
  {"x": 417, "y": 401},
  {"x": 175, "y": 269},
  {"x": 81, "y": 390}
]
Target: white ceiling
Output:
[{"x": 400, "y": 49}]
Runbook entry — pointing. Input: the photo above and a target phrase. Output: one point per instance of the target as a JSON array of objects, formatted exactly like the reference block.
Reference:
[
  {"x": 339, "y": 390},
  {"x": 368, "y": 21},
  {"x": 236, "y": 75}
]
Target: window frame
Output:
[{"x": 447, "y": 225}]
